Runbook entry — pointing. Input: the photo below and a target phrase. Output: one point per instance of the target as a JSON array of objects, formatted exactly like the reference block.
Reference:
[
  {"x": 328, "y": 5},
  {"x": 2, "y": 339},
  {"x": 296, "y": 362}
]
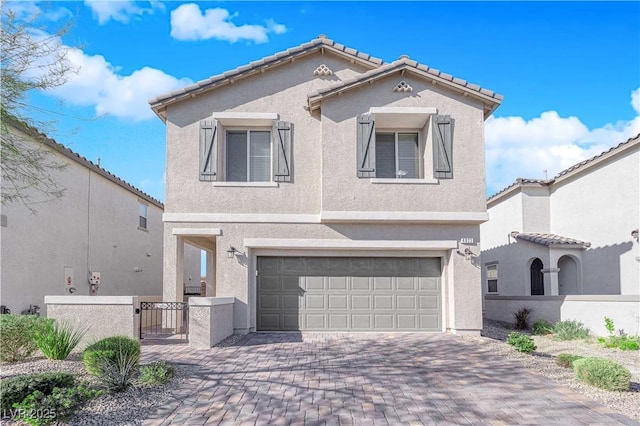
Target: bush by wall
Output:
[{"x": 17, "y": 336}]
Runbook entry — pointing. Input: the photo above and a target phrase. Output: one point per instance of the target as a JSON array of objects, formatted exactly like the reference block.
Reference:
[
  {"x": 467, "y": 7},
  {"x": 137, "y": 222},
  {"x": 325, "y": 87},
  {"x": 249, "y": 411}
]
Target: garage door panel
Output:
[
  {"x": 339, "y": 321},
  {"x": 338, "y": 283},
  {"x": 384, "y": 321},
  {"x": 406, "y": 302},
  {"x": 364, "y": 294},
  {"x": 361, "y": 322},
  {"x": 383, "y": 302},
  {"x": 360, "y": 301},
  {"x": 314, "y": 301},
  {"x": 338, "y": 301},
  {"x": 382, "y": 283}
]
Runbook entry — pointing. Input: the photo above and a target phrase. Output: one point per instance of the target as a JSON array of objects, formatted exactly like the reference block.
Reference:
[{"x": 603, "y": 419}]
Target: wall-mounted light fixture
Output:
[
  {"x": 231, "y": 252},
  {"x": 634, "y": 234},
  {"x": 467, "y": 253}
]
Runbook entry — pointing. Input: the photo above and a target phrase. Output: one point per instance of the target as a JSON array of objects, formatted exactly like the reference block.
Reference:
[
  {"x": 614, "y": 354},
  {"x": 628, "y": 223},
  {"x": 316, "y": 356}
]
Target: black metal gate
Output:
[{"x": 164, "y": 320}]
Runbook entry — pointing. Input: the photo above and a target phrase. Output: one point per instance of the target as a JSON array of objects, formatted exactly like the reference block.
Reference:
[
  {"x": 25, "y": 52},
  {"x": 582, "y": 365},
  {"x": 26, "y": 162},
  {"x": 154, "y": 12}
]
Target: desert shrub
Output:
[
  {"x": 16, "y": 389},
  {"x": 155, "y": 374},
  {"x": 566, "y": 360},
  {"x": 57, "y": 340},
  {"x": 40, "y": 408},
  {"x": 114, "y": 360},
  {"x": 522, "y": 318},
  {"x": 542, "y": 327},
  {"x": 621, "y": 341},
  {"x": 17, "y": 336},
  {"x": 602, "y": 373},
  {"x": 570, "y": 330},
  {"x": 521, "y": 342},
  {"x": 107, "y": 350}
]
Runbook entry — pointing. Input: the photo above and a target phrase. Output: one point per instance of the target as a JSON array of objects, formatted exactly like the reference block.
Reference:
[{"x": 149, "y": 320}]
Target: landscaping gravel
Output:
[
  {"x": 136, "y": 404},
  {"x": 543, "y": 361}
]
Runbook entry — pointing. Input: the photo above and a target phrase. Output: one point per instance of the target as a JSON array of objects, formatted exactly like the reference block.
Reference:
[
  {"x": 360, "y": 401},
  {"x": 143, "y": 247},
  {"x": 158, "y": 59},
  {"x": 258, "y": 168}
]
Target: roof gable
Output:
[
  {"x": 490, "y": 99},
  {"x": 322, "y": 44}
]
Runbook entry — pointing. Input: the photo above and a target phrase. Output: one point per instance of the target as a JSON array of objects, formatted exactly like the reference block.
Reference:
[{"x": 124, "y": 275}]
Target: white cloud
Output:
[
  {"x": 121, "y": 11},
  {"x": 519, "y": 148},
  {"x": 188, "y": 22},
  {"x": 31, "y": 11},
  {"x": 99, "y": 84}
]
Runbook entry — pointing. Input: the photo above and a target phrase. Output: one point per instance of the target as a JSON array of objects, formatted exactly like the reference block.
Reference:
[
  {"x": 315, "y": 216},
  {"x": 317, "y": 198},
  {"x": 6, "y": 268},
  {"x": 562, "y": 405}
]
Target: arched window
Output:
[{"x": 537, "y": 278}]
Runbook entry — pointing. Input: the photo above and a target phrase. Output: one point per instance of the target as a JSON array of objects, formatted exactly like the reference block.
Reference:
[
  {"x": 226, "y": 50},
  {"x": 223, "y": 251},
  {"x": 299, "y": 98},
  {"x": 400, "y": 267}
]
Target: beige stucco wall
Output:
[
  {"x": 236, "y": 277},
  {"x": 94, "y": 227},
  {"x": 603, "y": 207},
  {"x": 99, "y": 316},
  {"x": 588, "y": 309},
  {"x": 210, "y": 320}
]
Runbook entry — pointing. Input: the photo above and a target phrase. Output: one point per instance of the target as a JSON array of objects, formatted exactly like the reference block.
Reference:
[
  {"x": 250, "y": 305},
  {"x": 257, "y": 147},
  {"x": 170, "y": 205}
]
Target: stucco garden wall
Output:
[
  {"x": 100, "y": 316},
  {"x": 210, "y": 320},
  {"x": 588, "y": 309}
]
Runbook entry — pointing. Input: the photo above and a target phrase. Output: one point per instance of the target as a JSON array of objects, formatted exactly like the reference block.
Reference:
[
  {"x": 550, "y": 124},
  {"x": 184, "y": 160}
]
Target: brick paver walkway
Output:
[{"x": 367, "y": 379}]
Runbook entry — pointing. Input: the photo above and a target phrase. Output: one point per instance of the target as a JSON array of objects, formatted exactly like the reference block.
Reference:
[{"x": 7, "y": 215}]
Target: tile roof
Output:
[
  {"x": 322, "y": 42},
  {"x": 404, "y": 63},
  {"x": 549, "y": 239},
  {"x": 569, "y": 171},
  {"x": 276, "y": 59},
  {"x": 74, "y": 156}
]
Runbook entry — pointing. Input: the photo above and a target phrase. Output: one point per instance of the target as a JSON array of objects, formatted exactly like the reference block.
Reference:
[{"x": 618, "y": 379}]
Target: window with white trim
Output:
[
  {"x": 397, "y": 155},
  {"x": 492, "y": 278},
  {"x": 248, "y": 156},
  {"x": 142, "y": 215}
]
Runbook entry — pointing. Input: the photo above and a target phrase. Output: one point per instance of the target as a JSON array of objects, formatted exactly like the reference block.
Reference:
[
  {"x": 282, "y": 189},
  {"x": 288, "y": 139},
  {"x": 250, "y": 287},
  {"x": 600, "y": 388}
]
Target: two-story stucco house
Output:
[
  {"x": 332, "y": 191},
  {"x": 568, "y": 246},
  {"x": 103, "y": 237}
]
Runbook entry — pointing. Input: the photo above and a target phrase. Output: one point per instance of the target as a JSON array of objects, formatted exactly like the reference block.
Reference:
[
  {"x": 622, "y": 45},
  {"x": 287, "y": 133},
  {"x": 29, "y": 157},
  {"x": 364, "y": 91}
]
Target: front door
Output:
[{"x": 537, "y": 278}]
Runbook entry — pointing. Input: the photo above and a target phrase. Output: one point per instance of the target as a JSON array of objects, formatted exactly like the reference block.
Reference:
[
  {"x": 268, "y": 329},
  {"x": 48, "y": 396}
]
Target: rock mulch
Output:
[
  {"x": 137, "y": 403},
  {"x": 543, "y": 361}
]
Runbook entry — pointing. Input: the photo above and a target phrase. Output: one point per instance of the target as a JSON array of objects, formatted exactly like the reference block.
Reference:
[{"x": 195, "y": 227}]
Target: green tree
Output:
[{"x": 30, "y": 59}]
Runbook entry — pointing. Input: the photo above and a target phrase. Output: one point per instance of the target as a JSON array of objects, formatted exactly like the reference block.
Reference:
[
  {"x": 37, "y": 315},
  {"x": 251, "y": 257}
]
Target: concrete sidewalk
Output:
[{"x": 290, "y": 378}]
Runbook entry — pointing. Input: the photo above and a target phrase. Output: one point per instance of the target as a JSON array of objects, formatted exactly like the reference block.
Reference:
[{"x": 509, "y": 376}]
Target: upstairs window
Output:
[
  {"x": 397, "y": 155},
  {"x": 142, "y": 212},
  {"x": 248, "y": 156},
  {"x": 246, "y": 147}
]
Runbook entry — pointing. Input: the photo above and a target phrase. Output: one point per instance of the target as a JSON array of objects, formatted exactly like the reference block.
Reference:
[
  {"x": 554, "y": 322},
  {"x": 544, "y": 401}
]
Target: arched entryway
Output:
[
  {"x": 568, "y": 275},
  {"x": 537, "y": 278}
]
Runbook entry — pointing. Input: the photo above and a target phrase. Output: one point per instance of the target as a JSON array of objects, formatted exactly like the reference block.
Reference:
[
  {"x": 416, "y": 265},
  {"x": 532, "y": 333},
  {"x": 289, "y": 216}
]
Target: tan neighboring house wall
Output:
[
  {"x": 325, "y": 209},
  {"x": 596, "y": 202},
  {"x": 94, "y": 227}
]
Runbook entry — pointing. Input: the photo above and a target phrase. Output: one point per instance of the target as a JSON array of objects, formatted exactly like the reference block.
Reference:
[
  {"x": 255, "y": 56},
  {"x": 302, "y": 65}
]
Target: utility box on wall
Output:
[{"x": 94, "y": 278}]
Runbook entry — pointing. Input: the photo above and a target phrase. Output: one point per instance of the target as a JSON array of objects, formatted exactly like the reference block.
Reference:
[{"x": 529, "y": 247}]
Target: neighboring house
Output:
[
  {"x": 568, "y": 235},
  {"x": 103, "y": 237},
  {"x": 331, "y": 191},
  {"x": 568, "y": 247}
]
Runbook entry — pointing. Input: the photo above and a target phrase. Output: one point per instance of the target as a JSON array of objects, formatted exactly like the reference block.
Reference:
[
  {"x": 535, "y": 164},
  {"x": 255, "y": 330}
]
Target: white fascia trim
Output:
[
  {"x": 233, "y": 118},
  {"x": 407, "y": 217},
  {"x": 403, "y": 110},
  {"x": 405, "y": 181},
  {"x": 212, "y": 232},
  {"x": 210, "y": 301},
  {"x": 90, "y": 300},
  {"x": 239, "y": 218},
  {"x": 246, "y": 184},
  {"x": 332, "y": 244}
]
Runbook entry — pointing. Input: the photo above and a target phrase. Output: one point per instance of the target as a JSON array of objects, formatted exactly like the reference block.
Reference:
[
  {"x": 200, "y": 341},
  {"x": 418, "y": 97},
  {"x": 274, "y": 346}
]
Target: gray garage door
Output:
[{"x": 349, "y": 293}]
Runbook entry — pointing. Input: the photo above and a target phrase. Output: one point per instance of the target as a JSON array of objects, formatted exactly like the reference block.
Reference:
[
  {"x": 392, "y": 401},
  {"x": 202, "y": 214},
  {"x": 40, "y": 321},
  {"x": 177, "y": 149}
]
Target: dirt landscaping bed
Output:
[{"x": 543, "y": 361}]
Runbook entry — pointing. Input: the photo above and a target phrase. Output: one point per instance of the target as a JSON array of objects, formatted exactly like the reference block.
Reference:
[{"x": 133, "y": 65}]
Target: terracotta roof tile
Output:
[{"x": 549, "y": 239}]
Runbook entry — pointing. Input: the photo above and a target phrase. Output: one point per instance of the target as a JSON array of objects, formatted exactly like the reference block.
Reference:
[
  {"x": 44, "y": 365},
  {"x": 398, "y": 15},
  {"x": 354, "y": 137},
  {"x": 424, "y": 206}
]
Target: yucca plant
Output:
[{"x": 58, "y": 339}]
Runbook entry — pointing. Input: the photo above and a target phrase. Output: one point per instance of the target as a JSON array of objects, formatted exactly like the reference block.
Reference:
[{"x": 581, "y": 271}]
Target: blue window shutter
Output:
[
  {"x": 208, "y": 150},
  {"x": 282, "y": 158},
  {"x": 443, "y": 147},
  {"x": 366, "y": 146}
]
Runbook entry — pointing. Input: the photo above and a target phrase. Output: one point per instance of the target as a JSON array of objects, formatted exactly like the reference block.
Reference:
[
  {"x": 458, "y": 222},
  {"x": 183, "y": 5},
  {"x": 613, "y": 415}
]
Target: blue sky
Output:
[{"x": 569, "y": 72}]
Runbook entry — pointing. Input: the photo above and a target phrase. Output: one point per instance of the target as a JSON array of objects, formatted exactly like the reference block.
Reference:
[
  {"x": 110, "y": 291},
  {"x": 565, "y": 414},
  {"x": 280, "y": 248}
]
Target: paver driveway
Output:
[{"x": 365, "y": 379}]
